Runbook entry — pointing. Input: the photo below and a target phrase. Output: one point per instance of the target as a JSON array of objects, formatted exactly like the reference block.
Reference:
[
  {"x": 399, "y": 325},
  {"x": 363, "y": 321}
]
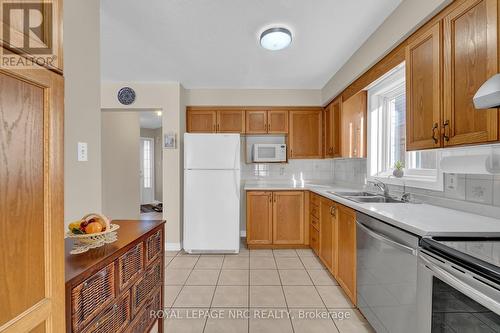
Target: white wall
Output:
[
  {"x": 167, "y": 98},
  {"x": 249, "y": 97},
  {"x": 120, "y": 165},
  {"x": 82, "y": 123},
  {"x": 406, "y": 19}
]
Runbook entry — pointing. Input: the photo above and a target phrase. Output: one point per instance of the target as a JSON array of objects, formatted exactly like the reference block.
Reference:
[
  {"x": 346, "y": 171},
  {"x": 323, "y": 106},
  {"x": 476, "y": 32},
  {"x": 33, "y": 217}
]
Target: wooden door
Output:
[
  {"x": 256, "y": 121},
  {"x": 470, "y": 58},
  {"x": 259, "y": 217},
  {"x": 354, "y": 126},
  {"x": 305, "y": 135},
  {"x": 277, "y": 122},
  {"x": 201, "y": 121},
  {"x": 288, "y": 217},
  {"x": 29, "y": 38},
  {"x": 231, "y": 121},
  {"x": 31, "y": 201},
  {"x": 327, "y": 239},
  {"x": 423, "y": 90},
  {"x": 346, "y": 250}
]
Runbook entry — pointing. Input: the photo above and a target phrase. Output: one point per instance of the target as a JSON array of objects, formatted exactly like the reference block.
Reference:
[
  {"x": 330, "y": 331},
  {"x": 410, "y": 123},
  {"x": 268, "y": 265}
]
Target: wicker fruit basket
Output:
[{"x": 86, "y": 241}]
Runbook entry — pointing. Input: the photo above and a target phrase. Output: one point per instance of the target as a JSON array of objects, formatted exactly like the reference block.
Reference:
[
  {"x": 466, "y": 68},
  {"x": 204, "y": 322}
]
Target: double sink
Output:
[{"x": 366, "y": 197}]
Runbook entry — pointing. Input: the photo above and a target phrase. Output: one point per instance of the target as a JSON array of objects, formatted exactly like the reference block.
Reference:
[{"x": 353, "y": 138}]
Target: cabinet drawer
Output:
[
  {"x": 91, "y": 296},
  {"x": 315, "y": 199},
  {"x": 141, "y": 290},
  {"x": 113, "y": 319},
  {"x": 153, "y": 247},
  {"x": 315, "y": 223},
  {"x": 130, "y": 265},
  {"x": 314, "y": 209},
  {"x": 314, "y": 234},
  {"x": 140, "y": 323}
]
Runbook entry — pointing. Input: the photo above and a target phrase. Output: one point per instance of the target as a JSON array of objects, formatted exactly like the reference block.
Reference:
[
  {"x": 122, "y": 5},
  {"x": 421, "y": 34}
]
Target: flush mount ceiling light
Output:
[{"x": 275, "y": 39}]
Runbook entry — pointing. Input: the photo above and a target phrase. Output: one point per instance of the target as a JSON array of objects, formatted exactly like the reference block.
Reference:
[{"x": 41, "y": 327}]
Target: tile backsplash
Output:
[{"x": 308, "y": 170}]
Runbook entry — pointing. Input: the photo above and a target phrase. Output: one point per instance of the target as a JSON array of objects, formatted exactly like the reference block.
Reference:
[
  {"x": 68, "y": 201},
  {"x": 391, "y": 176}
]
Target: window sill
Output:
[{"x": 434, "y": 183}]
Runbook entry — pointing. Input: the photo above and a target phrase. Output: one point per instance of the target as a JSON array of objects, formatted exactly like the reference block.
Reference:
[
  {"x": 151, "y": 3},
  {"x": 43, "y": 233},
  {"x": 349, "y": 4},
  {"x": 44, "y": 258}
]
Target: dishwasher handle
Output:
[{"x": 386, "y": 240}]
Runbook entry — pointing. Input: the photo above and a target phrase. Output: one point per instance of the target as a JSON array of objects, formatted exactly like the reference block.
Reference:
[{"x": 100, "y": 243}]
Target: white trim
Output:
[{"x": 173, "y": 246}]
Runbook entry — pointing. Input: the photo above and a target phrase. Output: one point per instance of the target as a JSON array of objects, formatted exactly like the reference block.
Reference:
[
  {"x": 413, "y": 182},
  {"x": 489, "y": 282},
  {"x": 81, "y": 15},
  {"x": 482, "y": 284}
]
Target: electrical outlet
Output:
[
  {"x": 451, "y": 183},
  {"x": 82, "y": 152}
]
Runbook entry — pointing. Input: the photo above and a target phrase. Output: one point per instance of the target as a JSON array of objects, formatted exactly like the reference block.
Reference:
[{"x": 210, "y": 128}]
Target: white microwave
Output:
[{"x": 269, "y": 152}]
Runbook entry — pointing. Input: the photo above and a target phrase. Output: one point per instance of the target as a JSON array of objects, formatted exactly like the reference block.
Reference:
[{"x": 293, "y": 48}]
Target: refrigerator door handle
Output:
[{"x": 236, "y": 184}]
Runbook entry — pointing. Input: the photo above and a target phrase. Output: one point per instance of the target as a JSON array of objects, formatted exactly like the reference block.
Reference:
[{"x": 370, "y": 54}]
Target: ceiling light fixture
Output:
[{"x": 275, "y": 39}]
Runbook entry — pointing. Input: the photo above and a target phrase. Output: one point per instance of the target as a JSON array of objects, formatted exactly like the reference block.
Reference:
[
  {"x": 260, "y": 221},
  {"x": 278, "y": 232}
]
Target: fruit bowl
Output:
[{"x": 84, "y": 242}]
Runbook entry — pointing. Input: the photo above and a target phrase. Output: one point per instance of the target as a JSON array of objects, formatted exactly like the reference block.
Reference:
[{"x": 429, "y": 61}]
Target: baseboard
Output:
[
  {"x": 173, "y": 246},
  {"x": 243, "y": 233}
]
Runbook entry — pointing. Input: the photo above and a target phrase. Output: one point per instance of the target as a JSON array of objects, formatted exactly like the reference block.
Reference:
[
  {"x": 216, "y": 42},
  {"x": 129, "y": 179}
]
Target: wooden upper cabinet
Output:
[
  {"x": 305, "y": 133},
  {"x": 259, "y": 217},
  {"x": 201, "y": 121},
  {"x": 470, "y": 58},
  {"x": 331, "y": 123},
  {"x": 327, "y": 234},
  {"x": 346, "y": 249},
  {"x": 231, "y": 121},
  {"x": 277, "y": 121},
  {"x": 288, "y": 217},
  {"x": 423, "y": 90},
  {"x": 31, "y": 175},
  {"x": 45, "y": 42},
  {"x": 256, "y": 121},
  {"x": 353, "y": 126}
]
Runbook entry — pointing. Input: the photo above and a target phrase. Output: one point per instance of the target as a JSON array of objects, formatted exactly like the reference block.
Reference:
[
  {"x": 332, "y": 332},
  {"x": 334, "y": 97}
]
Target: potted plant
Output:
[{"x": 398, "y": 169}]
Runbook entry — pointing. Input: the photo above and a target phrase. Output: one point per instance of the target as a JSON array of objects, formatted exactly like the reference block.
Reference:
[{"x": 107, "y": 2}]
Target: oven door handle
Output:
[
  {"x": 461, "y": 286},
  {"x": 386, "y": 240}
]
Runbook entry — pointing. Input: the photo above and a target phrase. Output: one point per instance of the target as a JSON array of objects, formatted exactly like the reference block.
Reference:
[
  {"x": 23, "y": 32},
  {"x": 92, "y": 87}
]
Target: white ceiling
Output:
[
  {"x": 149, "y": 119},
  {"x": 214, "y": 43}
]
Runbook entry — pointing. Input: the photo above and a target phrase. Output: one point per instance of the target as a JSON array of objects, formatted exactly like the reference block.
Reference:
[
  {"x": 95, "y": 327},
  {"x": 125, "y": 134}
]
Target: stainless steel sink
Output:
[
  {"x": 354, "y": 194},
  {"x": 377, "y": 199}
]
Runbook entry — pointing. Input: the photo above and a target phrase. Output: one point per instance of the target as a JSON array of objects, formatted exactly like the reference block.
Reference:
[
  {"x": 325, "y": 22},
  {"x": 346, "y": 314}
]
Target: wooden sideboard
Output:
[{"x": 115, "y": 287}]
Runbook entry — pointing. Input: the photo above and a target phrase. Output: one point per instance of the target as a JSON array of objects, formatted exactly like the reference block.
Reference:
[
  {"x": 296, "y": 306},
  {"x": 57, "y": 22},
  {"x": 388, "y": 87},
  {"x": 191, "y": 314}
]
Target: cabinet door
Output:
[
  {"x": 201, "y": 121},
  {"x": 470, "y": 58},
  {"x": 259, "y": 217},
  {"x": 29, "y": 37},
  {"x": 278, "y": 121},
  {"x": 327, "y": 126},
  {"x": 288, "y": 217},
  {"x": 31, "y": 201},
  {"x": 346, "y": 272},
  {"x": 335, "y": 127},
  {"x": 256, "y": 121},
  {"x": 306, "y": 134},
  {"x": 423, "y": 91},
  {"x": 231, "y": 121},
  {"x": 327, "y": 239},
  {"x": 354, "y": 126}
]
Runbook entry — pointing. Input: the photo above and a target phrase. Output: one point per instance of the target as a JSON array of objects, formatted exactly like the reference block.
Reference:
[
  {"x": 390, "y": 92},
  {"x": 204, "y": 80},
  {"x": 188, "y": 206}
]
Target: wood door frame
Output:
[
  {"x": 51, "y": 309},
  {"x": 436, "y": 35}
]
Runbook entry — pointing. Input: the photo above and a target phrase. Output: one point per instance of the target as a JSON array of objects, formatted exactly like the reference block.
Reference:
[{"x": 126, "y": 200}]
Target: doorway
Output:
[{"x": 147, "y": 167}]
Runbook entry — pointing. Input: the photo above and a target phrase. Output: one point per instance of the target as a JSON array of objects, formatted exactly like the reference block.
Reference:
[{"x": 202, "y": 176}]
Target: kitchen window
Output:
[{"x": 387, "y": 137}]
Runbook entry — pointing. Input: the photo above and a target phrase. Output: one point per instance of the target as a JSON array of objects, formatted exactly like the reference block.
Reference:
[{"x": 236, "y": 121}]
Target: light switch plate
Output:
[
  {"x": 451, "y": 182},
  {"x": 82, "y": 152}
]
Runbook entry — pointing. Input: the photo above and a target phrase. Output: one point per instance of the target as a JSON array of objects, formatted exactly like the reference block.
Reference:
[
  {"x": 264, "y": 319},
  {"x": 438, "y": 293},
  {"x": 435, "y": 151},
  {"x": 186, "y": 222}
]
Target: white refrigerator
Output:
[{"x": 211, "y": 193}]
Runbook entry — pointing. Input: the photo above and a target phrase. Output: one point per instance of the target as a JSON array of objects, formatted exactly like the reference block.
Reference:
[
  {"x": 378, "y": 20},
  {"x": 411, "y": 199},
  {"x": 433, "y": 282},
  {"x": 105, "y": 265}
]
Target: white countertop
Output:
[{"x": 420, "y": 219}]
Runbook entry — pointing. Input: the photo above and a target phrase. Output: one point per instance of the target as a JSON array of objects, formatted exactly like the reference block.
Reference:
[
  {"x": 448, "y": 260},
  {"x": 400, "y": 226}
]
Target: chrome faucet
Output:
[{"x": 382, "y": 186}]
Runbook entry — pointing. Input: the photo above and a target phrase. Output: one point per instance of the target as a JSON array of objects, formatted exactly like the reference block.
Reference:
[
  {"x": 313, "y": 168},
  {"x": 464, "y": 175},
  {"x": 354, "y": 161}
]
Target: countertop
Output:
[
  {"x": 130, "y": 230},
  {"x": 418, "y": 218}
]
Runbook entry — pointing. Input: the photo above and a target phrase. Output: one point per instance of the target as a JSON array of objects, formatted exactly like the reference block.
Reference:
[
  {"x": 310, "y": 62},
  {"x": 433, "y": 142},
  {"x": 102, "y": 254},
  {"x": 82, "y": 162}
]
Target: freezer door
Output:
[
  {"x": 211, "y": 211},
  {"x": 211, "y": 151}
]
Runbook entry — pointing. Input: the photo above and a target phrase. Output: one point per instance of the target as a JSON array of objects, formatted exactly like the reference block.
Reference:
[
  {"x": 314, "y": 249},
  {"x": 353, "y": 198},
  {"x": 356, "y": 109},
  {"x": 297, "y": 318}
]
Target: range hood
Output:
[{"x": 488, "y": 95}]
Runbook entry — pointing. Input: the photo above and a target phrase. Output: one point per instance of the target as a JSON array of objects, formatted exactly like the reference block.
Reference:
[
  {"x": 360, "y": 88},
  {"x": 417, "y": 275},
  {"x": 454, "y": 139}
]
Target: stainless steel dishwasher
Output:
[{"x": 386, "y": 275}]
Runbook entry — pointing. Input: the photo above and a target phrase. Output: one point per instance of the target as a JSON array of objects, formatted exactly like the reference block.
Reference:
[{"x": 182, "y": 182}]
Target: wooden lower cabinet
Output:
[
  {"x": 259, "y": 217},
  {"x": 327, "y": 234},
  {"x": 276, "y": 218},
  {"x": 346, "y": 249},
  {"x": 288, "y": 217}
]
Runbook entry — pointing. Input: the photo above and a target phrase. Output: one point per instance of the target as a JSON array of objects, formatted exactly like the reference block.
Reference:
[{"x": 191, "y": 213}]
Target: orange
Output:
[{"x": 93, "y": 227}]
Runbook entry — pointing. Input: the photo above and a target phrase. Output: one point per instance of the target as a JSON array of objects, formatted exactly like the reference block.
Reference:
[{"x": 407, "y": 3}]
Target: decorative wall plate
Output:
[{"x": 126, "y": 95}]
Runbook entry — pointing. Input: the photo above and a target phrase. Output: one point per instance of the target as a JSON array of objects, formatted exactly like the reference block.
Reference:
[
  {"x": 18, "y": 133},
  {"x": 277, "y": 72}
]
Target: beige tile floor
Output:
[{"x": 256, "y": 291}]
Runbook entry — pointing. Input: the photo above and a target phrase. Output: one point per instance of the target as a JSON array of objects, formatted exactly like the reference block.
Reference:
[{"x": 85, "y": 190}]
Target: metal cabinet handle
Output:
[
  {"x": 332, "y": 211},
  {"x": 434, "y": 128},
  {"x": 270, "y": 197},
  {"x": 387, "y": 240},
  {"x": 446, "y": 124}
]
